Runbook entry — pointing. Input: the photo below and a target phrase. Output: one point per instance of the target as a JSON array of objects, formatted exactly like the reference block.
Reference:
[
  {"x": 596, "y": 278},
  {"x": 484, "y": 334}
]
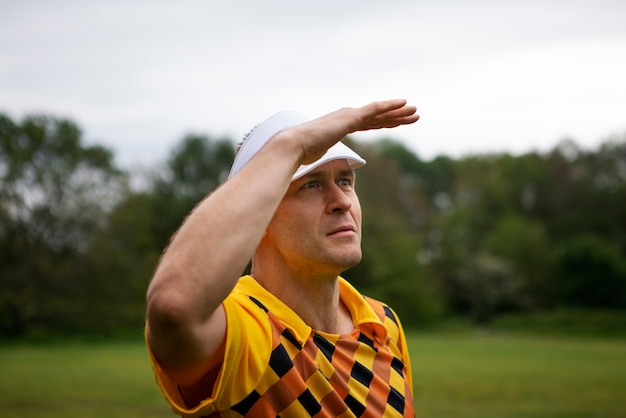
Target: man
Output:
[{"x": 292, "y": 339}]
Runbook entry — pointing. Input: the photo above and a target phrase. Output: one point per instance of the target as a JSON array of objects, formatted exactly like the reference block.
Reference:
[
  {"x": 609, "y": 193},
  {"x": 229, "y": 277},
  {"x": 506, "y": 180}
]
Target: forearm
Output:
[{"x": 213, "y": 246}]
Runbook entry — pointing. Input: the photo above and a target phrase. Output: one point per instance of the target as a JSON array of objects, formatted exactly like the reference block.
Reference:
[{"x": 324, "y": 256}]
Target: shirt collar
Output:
[{"x": 361, "y": 312}]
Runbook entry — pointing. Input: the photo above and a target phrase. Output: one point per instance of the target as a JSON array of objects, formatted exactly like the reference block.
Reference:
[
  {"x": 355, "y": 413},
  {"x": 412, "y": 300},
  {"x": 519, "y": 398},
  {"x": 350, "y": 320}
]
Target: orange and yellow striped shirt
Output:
[{"x": 276, "y": 365}]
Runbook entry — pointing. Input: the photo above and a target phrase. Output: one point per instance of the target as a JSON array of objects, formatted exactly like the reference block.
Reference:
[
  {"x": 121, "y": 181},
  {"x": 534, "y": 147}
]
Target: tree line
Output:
[{"x": 478, "y": 236}]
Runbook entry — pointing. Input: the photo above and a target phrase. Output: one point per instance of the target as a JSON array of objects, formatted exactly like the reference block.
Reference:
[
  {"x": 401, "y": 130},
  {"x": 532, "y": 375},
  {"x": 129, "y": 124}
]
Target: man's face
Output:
[{"x": 317, "y": 226}]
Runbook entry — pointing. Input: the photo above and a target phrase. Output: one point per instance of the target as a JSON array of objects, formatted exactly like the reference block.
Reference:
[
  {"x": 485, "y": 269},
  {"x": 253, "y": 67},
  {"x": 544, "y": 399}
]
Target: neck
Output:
[{"x": 315, "y": 299}]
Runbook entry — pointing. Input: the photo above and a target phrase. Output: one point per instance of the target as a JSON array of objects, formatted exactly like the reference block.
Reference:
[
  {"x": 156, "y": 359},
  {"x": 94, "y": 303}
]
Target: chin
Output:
[
  {"x": 342, "y": 259},
  {"x": 351, "y": 260}
]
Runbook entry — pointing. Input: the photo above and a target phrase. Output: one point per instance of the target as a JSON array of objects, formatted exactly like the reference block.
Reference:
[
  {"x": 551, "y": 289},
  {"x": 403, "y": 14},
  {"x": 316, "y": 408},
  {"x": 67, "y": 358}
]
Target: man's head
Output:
[
  {"x": 317, "y": 226},
  {"x": 264, "y": 131}
]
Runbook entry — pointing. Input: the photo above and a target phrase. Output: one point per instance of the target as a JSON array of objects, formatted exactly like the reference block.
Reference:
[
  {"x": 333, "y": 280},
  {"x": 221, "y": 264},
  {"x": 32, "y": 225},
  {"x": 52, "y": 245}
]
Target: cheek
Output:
[
  {"x": 296, "y": 215},
  {"x": 356, "y": 211},
  {"x": 286, "y": 225}
]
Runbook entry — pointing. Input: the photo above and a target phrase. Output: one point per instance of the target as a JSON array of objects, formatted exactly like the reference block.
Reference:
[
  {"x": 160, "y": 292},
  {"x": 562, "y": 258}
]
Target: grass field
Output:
[
  {"x": 456, "y": 376},
  {"x": 518, "y": 377}
]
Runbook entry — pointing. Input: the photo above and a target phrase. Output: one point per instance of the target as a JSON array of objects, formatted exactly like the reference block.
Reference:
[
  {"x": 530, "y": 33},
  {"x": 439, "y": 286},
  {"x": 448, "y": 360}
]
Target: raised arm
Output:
[{"x": 186, "y": 323}]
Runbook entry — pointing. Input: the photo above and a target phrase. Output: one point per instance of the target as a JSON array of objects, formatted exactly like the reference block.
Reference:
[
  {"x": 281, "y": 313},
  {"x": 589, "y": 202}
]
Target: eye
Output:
[
  {"x": 345, "y": 182},
  {"x": 311, "y": 184}
]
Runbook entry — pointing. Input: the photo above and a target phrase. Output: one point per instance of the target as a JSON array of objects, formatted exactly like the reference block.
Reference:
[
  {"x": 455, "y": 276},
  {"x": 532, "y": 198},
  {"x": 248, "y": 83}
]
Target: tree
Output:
[
  {"x": 196, "y": 166},
  {"x": 522, "y": 245},
  {"x": 478, "y": 240},
  {"x": 593, "y": 274},
  {"x": 394, "y": 215},
  {"x": 124, "y": 255},
  {"x": 55, "y": 193}
]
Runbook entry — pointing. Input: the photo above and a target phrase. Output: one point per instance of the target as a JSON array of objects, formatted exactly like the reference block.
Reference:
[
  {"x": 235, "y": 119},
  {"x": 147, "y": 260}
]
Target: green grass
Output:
[
  {"x": 478, "y": 376},
  {"x": 456, "y": 376},
  {"x": 78, "y": 380}
]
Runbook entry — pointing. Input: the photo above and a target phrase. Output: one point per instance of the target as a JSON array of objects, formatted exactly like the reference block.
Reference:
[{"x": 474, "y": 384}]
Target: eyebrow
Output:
[{"x": 319, "y": 174}]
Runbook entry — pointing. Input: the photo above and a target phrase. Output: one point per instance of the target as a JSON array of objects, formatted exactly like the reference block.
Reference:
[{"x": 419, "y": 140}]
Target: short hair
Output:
[{"x": 244, "y": 138}]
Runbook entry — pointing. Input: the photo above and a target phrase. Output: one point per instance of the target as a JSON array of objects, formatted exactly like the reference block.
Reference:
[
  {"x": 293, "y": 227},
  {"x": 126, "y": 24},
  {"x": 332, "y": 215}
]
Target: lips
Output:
[{"x": 342, "y": 229}]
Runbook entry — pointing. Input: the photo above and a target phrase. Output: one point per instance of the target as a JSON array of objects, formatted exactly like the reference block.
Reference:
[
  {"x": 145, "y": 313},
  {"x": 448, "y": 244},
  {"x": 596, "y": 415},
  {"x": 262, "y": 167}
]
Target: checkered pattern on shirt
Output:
[{"x": 332, "y": 375}]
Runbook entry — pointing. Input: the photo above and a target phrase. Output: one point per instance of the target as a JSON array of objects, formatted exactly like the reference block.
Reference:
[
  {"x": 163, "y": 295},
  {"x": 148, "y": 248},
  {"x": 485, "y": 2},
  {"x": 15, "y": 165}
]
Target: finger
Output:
[
  {"x": 379, "y": 123},
  {"x": 382, "y": 107},
  {"x": 403, "y": 113},
  {"x": 392, "y": 120},
  {"x": 398, "y": 113}
]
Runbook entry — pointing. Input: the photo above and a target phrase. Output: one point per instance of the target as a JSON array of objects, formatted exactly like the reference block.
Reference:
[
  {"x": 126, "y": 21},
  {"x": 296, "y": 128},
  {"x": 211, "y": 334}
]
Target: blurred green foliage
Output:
[{"x": 481, "y": 236}]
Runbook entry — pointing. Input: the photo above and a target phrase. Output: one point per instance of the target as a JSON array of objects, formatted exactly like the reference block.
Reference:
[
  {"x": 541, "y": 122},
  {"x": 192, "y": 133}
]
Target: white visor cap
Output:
[{"x": 278, "y": 122}]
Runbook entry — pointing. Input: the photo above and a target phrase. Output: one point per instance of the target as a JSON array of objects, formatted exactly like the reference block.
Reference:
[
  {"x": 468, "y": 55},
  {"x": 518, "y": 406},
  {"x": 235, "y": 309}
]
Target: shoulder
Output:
[
  {"x": 387, "y": 316},
  {"x": 384, "y": 311}
]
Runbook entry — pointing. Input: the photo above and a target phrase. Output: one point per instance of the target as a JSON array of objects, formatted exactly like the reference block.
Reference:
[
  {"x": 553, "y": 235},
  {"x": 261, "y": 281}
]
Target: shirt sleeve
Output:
[{"x": 246, "y": 355}]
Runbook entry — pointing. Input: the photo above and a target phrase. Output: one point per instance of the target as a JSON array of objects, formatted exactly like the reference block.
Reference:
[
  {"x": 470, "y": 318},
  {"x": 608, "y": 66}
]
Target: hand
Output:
[
  {"x": 317, "y": 135},
  {"x": 386, "y": 114}
]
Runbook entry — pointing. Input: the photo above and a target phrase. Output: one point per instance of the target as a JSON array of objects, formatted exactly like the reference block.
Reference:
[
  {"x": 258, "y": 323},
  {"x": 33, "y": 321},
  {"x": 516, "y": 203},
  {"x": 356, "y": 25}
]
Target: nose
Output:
[{"x": 337, "y": 200}]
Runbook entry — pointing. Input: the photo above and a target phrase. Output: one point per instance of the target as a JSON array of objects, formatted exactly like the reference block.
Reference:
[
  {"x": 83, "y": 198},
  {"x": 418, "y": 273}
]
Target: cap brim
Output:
[{"x": 339, "y": 151}]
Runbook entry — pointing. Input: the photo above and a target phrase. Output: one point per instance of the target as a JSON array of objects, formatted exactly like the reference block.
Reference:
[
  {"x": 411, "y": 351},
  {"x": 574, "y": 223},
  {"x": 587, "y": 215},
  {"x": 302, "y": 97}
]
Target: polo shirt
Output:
[{"x": 276, "y": 365}]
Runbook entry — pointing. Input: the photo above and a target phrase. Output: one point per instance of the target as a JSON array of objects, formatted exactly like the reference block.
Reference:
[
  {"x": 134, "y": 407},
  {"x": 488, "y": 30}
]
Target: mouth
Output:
[{"x": 342, "y": 230}]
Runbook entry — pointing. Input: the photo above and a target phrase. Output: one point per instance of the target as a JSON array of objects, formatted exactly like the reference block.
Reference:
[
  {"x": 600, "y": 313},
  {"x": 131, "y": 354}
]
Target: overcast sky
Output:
[{"x": 486, "y": 76}]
